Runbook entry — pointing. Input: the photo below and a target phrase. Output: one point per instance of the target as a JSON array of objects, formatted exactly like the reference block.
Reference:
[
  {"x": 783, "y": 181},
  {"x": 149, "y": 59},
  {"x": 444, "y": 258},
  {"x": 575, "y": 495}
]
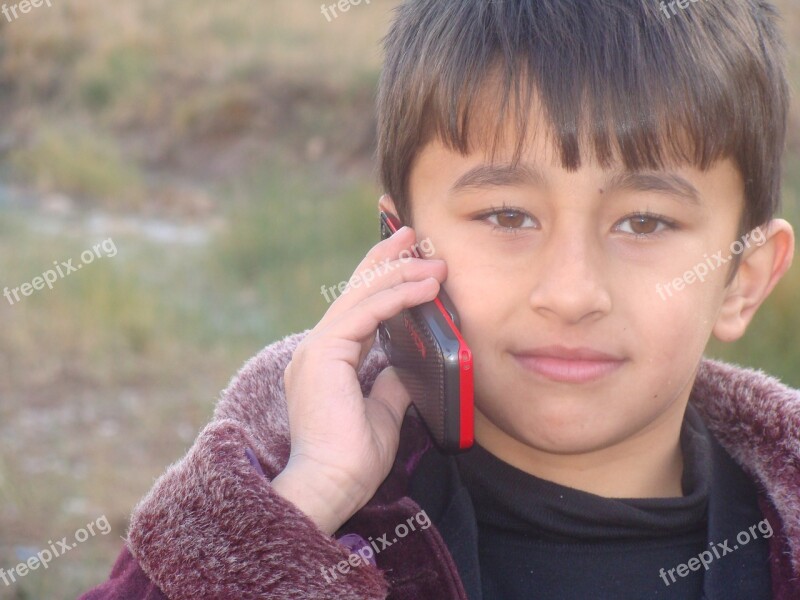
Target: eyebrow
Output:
[
  {"x": 508, "y": 175},
  {"x": 503, "y": 175},
  {"x": 667, "y": 183}
]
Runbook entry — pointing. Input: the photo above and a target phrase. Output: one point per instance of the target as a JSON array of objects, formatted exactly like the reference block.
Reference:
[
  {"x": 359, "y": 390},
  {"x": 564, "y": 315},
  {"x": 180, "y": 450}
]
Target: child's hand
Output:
[{"x": 343, "y": 445}]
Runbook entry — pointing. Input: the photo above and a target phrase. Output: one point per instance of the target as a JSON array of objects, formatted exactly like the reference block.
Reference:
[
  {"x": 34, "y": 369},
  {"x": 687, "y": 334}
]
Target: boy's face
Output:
[{"x": 569, "y": 273}]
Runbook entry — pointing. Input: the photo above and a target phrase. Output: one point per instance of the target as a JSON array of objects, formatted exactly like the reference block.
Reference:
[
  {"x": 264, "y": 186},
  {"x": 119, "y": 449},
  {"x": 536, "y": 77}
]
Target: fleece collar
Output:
[{"x": 214, "y": 494}]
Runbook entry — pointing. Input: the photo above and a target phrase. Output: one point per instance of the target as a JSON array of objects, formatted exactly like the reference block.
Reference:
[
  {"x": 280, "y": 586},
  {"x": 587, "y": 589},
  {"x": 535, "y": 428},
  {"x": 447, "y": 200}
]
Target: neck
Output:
[{"x": 648, "y": 464}]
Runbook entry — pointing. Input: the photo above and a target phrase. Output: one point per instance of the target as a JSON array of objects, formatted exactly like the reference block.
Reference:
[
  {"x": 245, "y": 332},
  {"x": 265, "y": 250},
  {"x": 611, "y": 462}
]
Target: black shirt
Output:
[{"x": 514, "y": 535}]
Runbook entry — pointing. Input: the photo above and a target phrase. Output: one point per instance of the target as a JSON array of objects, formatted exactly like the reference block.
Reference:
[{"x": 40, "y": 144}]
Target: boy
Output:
[{"x": 600, "y": 185}]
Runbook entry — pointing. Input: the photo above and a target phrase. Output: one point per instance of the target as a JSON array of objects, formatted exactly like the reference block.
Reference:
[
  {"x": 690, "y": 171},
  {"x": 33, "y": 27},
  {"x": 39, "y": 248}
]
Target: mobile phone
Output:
[{"x": 433, "y": 362}]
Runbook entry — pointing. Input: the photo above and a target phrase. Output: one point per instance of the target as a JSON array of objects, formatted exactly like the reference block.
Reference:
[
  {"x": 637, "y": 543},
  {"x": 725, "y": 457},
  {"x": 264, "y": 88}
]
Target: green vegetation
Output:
[{"x": 81, "y": 163}]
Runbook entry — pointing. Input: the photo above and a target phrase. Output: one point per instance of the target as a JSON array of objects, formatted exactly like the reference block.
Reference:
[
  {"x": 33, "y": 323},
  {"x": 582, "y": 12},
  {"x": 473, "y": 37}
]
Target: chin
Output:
[
  {"x": 562, "y": 435},
  {"x": 566, "y": 442}
]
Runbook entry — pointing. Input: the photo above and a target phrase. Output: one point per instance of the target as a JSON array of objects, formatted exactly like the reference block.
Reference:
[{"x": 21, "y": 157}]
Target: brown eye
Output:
[
  {"x": 510, "y": 219},
  {"x": 643, "y": 225}
]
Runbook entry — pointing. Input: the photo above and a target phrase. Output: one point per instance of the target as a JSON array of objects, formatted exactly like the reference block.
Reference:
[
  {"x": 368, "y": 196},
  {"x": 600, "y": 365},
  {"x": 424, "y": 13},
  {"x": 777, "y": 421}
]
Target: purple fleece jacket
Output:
[{"x": 213, "y": 528}]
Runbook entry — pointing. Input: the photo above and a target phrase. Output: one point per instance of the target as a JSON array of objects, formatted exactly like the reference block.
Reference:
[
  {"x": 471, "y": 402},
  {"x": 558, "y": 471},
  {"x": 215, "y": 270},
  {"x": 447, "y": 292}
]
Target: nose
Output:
[{"x": 569, "y": 285}]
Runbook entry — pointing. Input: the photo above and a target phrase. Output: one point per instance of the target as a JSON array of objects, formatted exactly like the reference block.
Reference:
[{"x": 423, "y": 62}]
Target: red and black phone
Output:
[{"x": 434, "y": 363}]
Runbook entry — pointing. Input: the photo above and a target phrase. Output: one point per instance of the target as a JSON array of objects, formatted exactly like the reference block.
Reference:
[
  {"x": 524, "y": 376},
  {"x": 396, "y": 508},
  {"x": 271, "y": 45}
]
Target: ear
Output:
[
  {"x": 762, "y": 267},
  {"x": 386, "y": 204}
]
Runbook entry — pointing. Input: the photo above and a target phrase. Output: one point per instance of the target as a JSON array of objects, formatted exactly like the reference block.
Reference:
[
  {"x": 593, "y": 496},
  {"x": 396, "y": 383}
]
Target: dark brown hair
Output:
[{"x": 623, "y": 80}]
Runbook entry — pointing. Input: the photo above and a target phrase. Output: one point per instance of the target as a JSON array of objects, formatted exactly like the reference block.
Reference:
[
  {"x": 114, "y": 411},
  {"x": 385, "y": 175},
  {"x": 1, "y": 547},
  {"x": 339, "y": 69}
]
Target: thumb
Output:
[{"x": 389, "y": 392}]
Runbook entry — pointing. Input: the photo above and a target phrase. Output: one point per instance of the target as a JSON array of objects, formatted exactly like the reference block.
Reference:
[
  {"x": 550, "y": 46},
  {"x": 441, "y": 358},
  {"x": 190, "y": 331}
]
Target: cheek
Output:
[
  {"x": 483, "y": 296},
  {"x": 673, "y": 331}
]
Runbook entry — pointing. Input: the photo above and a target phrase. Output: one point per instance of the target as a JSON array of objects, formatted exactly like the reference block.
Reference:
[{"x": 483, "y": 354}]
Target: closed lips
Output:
[{"x": 572, "y": 365}]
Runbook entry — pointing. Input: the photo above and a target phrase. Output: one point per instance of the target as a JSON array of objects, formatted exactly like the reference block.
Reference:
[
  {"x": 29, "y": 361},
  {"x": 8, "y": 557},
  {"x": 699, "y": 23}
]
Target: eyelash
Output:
[
  {"x": 669, "y": 224},
  {"x": 496, "y": 210},
  {"x": 661, "y": 219}
]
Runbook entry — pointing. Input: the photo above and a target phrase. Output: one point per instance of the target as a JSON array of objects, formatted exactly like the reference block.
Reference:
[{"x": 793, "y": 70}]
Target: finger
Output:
[
  {"x": 388, "y": 389},
  {"x": 386, "y": 407},
  {"x": 402, "y": 241},
  {"x": 402, "y": 246},
  {"x": 360, "y": 323},
  {"x": 396, "y": 273}
]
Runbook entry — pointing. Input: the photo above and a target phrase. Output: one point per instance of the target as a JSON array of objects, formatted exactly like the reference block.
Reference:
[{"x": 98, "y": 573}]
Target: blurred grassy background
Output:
[{"x": 227, "y": 150}]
